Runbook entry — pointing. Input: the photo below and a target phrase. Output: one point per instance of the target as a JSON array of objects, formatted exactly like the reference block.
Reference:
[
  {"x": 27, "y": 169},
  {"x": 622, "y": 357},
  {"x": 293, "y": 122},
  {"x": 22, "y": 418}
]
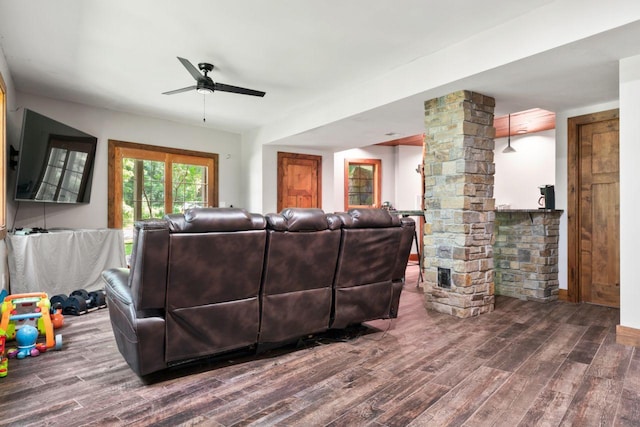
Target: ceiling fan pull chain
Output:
[{"x": 204, "y": 109}]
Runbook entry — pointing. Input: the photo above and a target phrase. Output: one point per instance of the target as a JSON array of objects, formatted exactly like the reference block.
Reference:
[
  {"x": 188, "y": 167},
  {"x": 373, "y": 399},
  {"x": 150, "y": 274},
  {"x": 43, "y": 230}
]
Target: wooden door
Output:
[
  {"x": 299, "y": 181},
  {"x": 598, "y": 213}
]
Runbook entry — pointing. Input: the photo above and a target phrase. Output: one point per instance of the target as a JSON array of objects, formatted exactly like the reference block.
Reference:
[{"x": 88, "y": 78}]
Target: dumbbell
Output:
[
  {"x": 94, "y": 299},
  {"x": 98, "y": 299},
  {"x": 75, "y": 305},
  {"x": 57, "y": 302}
]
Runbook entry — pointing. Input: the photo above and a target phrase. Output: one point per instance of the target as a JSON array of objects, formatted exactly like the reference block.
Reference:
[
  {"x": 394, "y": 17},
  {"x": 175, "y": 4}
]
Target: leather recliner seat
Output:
[
  {"x": 300, "y": 262},
  {"x": 212, "y": 280}
]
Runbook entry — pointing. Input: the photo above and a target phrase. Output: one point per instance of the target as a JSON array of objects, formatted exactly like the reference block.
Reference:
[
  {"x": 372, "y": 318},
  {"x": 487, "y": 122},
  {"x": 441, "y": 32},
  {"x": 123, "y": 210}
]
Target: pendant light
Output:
[{"x": 509, "y": 148}]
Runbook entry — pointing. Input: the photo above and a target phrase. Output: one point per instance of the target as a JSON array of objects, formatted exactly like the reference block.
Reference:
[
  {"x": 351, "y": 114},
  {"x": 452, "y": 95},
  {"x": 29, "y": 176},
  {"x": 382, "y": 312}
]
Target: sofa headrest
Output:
[
  {"x": 369, "y": 218},
  {"x": 151, "y": 224},
  {"x": 203, "y": 220},
  {"x": 302, "y": 219}
]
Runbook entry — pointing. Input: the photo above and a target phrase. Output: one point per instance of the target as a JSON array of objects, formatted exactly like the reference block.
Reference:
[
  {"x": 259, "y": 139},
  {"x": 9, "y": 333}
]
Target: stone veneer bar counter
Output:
[{"x": 525, "y": 253}]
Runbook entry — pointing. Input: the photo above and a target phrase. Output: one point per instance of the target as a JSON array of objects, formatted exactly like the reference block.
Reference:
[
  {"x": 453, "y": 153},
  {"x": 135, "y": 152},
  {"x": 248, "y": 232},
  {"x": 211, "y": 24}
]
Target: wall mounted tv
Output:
[{"x": 55, "y": 161}]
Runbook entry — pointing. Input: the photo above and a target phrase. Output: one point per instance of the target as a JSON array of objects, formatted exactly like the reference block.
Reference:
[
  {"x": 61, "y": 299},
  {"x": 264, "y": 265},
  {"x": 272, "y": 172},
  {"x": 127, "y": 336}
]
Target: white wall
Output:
[
  {"x": 565, "y": 22},
  {"x": 251, "y": 166},
  {"x": 408, "y": 182},
  {"x": 400, "y": 182},
  {"x": 629, "y": 191},
  {"x": 518, "y": 175},
  {"x": 12, "y": 129},
  {"x": 386, "y": 154},
  {"x": 105, "y": 125},
  {"x": 270, "y": 176},
  {"x": 13, "y": 126}
]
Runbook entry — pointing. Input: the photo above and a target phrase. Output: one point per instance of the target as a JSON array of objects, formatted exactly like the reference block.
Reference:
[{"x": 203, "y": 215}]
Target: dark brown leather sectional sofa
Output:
[{"x": 216, "y": 280}]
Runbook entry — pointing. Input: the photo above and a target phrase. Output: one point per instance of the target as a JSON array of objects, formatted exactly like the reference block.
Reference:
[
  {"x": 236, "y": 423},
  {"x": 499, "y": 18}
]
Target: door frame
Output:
[{"x": 573, "y": 196}]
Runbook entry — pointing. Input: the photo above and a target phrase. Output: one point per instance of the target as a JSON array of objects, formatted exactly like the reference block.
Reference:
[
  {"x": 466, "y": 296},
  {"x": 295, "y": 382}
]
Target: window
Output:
[
  {"x": 362, "y": 182},
  {"x": 3, "y": 130},
  {"x": 148, "y": 182}
]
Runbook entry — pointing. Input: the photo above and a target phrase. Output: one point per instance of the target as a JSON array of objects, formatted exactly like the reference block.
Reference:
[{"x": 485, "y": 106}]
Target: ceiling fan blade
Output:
[
  {"x": 184, "y": 89},
  {"x": 190, "y": 68},
  {"x": 235, "y": 89}
]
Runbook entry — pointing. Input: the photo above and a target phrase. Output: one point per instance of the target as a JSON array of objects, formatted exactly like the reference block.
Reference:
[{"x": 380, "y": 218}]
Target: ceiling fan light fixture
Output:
[{"x": 205, "y": 85}]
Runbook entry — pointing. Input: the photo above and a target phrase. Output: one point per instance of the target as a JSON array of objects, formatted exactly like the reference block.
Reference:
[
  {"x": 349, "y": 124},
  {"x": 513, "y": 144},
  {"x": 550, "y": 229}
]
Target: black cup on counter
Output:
[{"x": 547, "y": 199}]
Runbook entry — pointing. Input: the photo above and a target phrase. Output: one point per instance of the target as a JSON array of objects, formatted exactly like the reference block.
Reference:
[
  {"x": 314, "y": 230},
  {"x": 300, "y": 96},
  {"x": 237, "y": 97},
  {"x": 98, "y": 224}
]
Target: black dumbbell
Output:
[
  {"x": 97, "y": 299},
  {"x": 75, "y": 305},
  {"x": 57, "y": 301}
]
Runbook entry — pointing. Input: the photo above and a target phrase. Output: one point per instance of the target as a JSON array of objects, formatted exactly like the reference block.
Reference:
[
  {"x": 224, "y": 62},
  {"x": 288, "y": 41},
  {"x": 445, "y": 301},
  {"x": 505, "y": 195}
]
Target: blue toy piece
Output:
[{"x": 26, "y": 339}]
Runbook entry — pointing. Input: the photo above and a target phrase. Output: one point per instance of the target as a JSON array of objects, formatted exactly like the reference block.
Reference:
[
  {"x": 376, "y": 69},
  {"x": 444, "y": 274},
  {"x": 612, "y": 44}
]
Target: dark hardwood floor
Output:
[{"x": 525, "y": 364}]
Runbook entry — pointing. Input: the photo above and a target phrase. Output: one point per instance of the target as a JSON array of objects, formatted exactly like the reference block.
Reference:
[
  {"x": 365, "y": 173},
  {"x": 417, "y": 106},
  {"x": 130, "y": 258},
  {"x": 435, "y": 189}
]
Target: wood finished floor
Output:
[{"x": 525, "y": 364}]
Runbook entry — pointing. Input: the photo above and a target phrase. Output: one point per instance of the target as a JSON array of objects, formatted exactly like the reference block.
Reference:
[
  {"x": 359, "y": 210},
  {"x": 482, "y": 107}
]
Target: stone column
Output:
[{"x": 459, "y": 204}]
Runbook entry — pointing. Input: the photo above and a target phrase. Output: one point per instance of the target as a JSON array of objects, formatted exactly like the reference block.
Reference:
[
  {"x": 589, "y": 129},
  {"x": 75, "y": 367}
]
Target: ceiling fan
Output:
[{"x": 204, "y": 84}]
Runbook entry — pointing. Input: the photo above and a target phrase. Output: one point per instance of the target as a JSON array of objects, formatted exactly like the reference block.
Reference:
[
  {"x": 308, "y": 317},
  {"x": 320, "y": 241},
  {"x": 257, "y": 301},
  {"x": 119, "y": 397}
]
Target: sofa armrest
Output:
[
  {"x": 139, "y": 334},
  {"x": 117, "y": 280}
]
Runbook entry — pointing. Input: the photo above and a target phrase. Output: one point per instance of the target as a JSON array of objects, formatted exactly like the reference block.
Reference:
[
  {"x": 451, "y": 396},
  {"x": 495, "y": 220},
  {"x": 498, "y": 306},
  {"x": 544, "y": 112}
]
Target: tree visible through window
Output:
[
  {"x": 142, "y": 190},
  {"x": 190, "y": 186},
  {"x": 149, "y": 182},
  {"x": 144, "y": 186},
  {"x": 362, "y": 183}
]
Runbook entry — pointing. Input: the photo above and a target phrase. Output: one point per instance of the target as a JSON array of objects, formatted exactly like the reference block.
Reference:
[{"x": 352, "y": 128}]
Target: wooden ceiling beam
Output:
[
  {"x": 415, "y": 140},
  {"x": 523, "y": 122}
]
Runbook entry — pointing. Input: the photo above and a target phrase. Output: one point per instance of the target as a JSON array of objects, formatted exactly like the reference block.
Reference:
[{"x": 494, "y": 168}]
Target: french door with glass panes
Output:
[{"x": 150, "y": 184}]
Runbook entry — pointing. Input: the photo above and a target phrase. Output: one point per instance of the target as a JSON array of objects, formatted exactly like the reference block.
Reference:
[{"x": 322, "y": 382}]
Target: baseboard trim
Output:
[
  {"x": 563, "y": 294},
  {"x": 627, "y": 336}
]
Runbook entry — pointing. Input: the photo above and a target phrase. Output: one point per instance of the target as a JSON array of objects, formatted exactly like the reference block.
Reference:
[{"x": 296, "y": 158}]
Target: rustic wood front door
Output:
[
  {"x": 299, "y": 181},
  {"x": 598, "y": 208}
]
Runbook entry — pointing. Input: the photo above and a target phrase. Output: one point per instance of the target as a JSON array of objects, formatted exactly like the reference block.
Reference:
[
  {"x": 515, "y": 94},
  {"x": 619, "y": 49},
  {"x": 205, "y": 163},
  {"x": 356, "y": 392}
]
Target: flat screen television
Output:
[{"x": 55, "y": 162}]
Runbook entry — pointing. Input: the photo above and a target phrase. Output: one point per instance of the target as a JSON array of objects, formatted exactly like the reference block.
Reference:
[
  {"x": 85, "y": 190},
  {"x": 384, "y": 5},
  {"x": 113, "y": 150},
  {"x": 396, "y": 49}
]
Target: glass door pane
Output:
[
  {"x": 361, "y": 185},
  {"x": 143, "y": 190},
  {"x": 189, "y": 186}
]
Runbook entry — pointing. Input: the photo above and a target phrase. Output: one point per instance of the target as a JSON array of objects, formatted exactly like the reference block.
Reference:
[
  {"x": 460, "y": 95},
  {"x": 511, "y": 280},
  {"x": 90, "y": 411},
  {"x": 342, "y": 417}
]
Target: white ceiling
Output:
[{"x": 121, "y": 55}]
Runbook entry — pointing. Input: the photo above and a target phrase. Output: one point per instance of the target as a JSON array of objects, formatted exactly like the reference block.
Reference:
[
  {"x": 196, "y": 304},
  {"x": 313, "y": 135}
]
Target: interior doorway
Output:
[
  {"x": 299, "y": 181},
  {"x": 593, "y": 207}
]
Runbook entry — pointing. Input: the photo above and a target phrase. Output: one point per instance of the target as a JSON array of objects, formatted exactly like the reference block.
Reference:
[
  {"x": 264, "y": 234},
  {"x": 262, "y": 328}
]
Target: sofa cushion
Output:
[
  {"x": 369, "y": 218},
  {"x": 203, "y": 220},
  {"x": 300, "y": 263},
  {"x": 302, "y": 219}
]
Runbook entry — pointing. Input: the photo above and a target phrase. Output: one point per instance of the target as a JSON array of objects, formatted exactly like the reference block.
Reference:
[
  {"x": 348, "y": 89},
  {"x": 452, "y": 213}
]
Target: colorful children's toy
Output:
[
  {"x": 26, "y": 338},
  {"x": 3, "y": 360},
  {"x": 3, "y": 338},
  {"x": 19, "y": 309},
  {"x": 57, "y": 318}
]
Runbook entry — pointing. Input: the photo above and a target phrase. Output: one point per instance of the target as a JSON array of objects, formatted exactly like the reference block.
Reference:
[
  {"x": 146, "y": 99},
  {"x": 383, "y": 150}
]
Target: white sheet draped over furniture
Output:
[{"x": 62, "y": 261}]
